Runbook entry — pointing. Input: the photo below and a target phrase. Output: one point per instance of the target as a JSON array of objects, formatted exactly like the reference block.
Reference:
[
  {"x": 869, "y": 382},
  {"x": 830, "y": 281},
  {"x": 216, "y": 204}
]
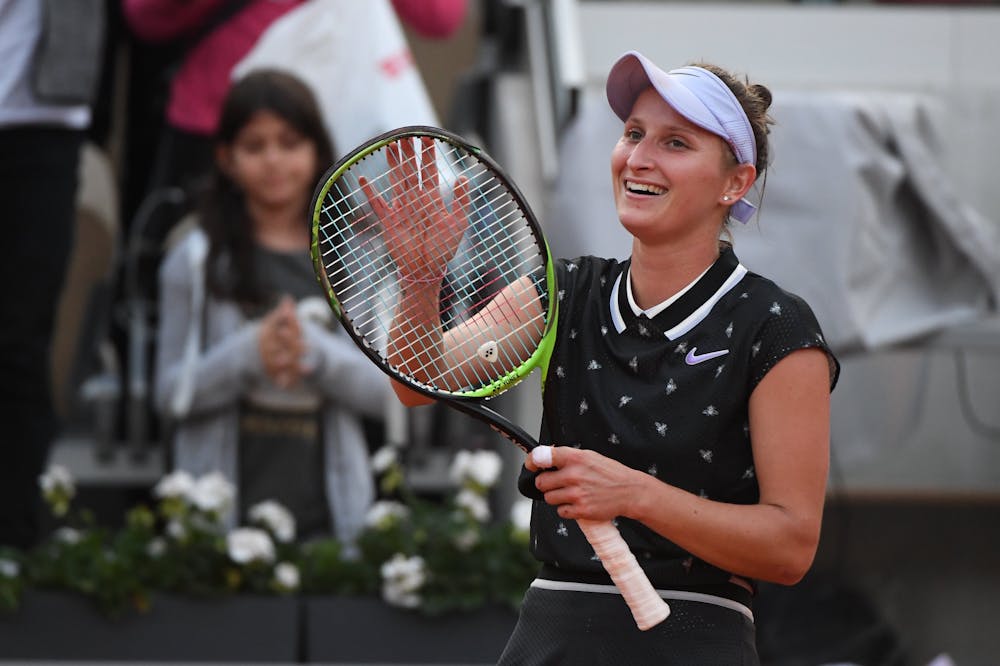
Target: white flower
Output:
[
  {"x": 176, "y": 529},
  {"x": 474, "y": 503},
  {"x": 466, "y": 539},
  {"x": 486, "y": 468},
  {"x": 482, "y": 467},
  {"x": 520, "y": 514},
  {"x": 156, "y": 547},
  {"x": 395, "y": 596},
  {"x": 459, "y": 466},
  {"x": 176, "y": 485},
  {"x": 286, "y": 576},
  {"x": 212, "y": 493},
  {"x": 385, "y": 513},
  {"x": 58, "y": 488},
  {"x": 57, "y": 479},
  {"x": 248, "y": 544},
  {"x": 276, "y": 518},
  {"x": 9, "y": 568},
  {"x": 67, "y": 535},
  {"x": 402, "y": 578},
  {"x": 384, "y": 458}
]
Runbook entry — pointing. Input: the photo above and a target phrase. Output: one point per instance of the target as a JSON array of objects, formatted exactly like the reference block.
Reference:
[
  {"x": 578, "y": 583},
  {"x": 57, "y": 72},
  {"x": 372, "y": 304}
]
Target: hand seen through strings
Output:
[{"x": 421, "y": 233}]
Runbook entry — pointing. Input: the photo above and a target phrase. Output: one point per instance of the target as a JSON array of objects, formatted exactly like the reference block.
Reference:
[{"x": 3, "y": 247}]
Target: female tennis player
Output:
[{"x": 687, "y": 399}]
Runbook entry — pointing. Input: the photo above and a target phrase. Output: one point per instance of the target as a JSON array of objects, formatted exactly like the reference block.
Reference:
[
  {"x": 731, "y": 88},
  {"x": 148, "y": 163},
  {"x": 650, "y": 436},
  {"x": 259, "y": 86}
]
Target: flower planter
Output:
[
  {"x": 365, "y": 630},
  {"x": 54, "y": 625}
]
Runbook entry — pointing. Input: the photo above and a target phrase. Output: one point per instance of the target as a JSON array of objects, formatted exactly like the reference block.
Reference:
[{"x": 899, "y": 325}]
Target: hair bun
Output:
[{"x": 762, "y": 93}]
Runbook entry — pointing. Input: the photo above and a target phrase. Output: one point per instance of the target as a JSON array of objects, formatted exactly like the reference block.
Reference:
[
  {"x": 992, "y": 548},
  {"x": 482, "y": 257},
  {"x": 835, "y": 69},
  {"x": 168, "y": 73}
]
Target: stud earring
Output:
[{"x": 725, "y": 197}]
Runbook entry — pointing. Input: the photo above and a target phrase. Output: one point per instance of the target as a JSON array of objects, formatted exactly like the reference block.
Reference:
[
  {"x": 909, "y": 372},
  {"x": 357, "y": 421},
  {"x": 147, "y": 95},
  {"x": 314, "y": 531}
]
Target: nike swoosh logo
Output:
[{"x": 694, "y": 359}]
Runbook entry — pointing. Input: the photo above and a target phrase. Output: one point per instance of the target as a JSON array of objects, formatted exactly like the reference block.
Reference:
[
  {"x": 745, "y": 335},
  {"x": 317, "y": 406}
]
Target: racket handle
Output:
[{"x": 648, "y": 608}]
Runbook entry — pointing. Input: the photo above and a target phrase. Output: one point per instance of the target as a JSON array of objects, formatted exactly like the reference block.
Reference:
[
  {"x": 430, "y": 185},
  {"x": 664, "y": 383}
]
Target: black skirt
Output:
[{"x": 560, "y": 627}]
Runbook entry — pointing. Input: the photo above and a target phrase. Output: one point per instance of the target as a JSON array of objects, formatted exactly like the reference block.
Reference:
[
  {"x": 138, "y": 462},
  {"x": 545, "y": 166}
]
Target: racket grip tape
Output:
[{"x": 647, "y": 606}]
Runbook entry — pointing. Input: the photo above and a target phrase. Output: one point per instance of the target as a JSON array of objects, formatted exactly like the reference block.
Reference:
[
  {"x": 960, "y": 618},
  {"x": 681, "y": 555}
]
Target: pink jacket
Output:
[
  {"x": 437, "y": 19},
  {"x": 199, "y": 86}
]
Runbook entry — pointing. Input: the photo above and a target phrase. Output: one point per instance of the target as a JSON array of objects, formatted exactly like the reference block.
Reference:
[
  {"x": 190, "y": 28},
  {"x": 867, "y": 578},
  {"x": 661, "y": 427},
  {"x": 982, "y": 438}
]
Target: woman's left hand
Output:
[{"x": 584, "y": 484}]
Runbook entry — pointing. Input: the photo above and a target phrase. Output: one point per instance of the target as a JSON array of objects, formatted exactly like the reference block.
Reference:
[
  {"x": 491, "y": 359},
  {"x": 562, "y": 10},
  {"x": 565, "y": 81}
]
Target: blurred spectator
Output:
[
  {"x": 436, "y": 19},
  {"x": 212, "y": 36},
  {"x": 215, "y": 35},
  {"x": 267, "y": 391},
  {"x": 51, "y": 63},
  {"x": 202, "y": 41}
]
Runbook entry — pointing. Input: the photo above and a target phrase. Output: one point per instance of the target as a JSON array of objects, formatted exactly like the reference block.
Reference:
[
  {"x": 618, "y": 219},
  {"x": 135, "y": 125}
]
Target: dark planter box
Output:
[
  {"x": 364, "y": 630},
  {"x": 53, "y": 625}
]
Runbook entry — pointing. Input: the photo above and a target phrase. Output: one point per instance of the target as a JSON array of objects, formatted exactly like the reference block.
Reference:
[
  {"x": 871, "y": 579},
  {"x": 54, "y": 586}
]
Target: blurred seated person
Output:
[{"x": 256, "y": 379}]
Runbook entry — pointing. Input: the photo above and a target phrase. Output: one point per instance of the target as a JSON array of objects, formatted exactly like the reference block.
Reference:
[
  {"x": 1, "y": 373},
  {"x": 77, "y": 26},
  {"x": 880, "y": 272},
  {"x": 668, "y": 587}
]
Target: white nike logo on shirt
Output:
[{"x": 694, "y": 359}]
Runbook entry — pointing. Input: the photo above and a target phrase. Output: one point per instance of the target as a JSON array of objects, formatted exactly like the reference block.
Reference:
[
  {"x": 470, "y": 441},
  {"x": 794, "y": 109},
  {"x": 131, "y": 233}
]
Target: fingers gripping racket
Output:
[{"x": 438, "y": 270}]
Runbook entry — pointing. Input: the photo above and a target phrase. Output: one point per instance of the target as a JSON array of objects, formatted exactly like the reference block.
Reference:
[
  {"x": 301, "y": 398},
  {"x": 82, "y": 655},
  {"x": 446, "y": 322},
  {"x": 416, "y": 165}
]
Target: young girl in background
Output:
[{"x": 256, "y": 378}]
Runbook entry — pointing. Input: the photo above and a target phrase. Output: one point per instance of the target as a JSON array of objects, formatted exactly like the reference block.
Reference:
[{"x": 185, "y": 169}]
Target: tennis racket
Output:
[{"x": 438, "y": 270}]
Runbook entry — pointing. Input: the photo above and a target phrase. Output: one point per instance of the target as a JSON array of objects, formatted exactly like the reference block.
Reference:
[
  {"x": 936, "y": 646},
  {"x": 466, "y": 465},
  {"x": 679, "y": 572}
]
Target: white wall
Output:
[{"x": 804, "y": 46}]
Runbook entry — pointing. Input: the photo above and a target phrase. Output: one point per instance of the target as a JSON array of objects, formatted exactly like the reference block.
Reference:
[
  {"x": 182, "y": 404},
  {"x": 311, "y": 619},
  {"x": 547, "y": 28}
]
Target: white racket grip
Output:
[{"x": 648, "y": 608}]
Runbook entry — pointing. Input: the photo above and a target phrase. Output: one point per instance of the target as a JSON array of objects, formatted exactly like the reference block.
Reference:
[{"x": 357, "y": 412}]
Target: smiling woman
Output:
[
  {"x": 688, "y": 399},
  {"x": 667, "y": 178}
]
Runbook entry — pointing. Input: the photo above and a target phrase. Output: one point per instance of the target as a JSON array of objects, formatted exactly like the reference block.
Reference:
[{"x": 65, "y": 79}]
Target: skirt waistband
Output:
[
  {"x": 737, "y": 590},
  {"x": 674, "y": 595}
]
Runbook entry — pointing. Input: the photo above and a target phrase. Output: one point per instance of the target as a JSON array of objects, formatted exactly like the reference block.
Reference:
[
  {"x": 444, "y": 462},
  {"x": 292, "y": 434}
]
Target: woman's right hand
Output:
[
  {"x": 281, "y": 345},
  {"x": 583, "y": 483},
  {"x": 421, "y": 233}
]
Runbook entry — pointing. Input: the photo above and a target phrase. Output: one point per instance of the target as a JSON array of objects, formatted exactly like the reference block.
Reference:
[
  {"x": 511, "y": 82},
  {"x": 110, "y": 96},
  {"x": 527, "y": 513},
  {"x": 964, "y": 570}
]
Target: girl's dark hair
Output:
[{"x": 223, "y": 213}]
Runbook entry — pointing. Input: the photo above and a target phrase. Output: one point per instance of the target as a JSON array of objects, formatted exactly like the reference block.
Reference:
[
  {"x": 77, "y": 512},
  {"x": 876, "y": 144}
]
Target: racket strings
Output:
[
  {"x": 356, "y": 193},
  {"x": 514, "y": 340},
  {"x": 491, "y": 205},
  {"x": 479, "y": 255},
  {"x": 480, "y": 203},
  {"x": 423, "y": 357},
  {"x": 421, "y": 346},
  {"x": 487, "y": 204},
  {"x": 499, "y": 247},
  {"x": 520, "y": 235}
]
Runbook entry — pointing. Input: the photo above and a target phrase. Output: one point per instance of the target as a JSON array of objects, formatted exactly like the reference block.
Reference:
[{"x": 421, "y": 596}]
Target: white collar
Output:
[
  {"x": 689, "y": 322},
  {"x": 656, "y": 309}
]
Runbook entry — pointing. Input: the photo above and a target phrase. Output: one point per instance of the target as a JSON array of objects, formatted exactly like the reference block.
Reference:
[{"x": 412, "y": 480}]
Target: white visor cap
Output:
[{"x": 695, "y": 93}]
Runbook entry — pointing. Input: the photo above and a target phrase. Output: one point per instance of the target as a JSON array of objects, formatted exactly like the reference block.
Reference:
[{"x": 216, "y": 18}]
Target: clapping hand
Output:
[
  {"x": 421, "y": 233},
  {"x": 281, "y": 344}
]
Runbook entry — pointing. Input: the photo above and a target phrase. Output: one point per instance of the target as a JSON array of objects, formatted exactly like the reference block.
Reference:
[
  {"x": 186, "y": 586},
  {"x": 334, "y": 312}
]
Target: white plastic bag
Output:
[{"x": 355, "y": 56}]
